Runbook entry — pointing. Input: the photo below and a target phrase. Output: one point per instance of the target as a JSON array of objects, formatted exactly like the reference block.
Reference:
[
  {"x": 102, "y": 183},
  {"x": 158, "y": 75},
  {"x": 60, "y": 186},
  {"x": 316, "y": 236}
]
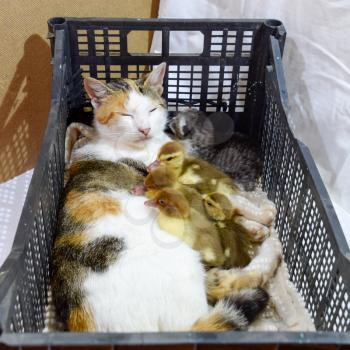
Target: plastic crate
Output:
[{"x": 242, "y": 60}]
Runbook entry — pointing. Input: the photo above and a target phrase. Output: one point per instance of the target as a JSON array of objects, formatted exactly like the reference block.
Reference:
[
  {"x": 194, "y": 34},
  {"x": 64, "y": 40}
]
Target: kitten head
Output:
[
  {"x": 194, "y": 125},
  {"x": 184, "y": 122},
  {"x": 128, "y": 109}
]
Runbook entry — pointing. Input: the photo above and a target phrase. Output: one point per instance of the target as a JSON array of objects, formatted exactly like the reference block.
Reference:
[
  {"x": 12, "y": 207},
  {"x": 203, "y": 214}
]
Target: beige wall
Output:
[{"x": 25, "y": 72}]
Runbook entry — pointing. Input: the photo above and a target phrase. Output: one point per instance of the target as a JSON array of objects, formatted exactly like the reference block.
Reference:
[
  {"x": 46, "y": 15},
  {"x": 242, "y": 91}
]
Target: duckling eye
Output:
[
  {"x": 152, "y": 110},
  {"x": 210, "y": 204},
  {"x": 169, "y": 158}
]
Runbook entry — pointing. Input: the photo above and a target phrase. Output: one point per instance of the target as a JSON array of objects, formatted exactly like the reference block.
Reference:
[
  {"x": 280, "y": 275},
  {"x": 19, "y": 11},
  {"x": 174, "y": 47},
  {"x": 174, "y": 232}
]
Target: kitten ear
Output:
[
  {"x": 96, "y": 90},
  {"x": 156, "y": 77}
]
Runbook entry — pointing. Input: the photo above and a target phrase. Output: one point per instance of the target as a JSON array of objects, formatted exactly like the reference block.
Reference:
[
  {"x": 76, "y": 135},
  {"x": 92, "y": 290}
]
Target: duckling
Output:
[
  {"x": 219, "y": 208},
  {"x": 158, "y": 178},
  {"x": 206, "y": 178},
  {"x": 177, "y": 217},
  {"x": 192, "y": 171},
  {"x": 235, "y": 242},
  {"x": 162, "y": 177}
]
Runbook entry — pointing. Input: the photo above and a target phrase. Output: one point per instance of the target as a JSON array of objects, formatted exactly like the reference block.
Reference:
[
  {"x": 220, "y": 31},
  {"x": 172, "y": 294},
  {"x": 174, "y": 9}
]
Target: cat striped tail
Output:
[{"x": 235, "y": 312}]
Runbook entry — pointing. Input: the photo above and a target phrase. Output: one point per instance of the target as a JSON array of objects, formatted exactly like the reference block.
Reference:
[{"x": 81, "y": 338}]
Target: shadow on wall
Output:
[{"x": 24, "y": 109}]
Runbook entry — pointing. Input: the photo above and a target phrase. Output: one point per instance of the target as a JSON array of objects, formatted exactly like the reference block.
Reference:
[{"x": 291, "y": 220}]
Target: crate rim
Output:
[
  {"x": 53, "y": 21},
  {"x": 171, "y": 338}
]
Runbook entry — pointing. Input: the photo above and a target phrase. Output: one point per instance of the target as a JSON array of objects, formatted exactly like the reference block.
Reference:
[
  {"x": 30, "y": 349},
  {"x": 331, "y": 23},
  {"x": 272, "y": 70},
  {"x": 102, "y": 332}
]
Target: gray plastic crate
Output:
[{"x": 313, "y": 243}]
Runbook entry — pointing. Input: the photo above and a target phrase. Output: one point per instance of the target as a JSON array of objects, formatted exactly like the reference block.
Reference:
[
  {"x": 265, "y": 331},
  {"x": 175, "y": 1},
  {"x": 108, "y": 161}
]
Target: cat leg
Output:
[
  {"x": 245, "y": 207},
  {"x": 73, "y": 133},
  {"x": 73, "y": 140},
  {"x": 259, "y": 198},
  {"x": 261, "y": 269},
  {"x": 255, "y": 232},
  {"x": 268, "y": 258}
]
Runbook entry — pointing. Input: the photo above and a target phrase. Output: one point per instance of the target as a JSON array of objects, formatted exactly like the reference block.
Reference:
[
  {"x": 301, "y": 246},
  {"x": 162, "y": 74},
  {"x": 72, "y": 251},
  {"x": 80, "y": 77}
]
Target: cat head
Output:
[{"x": 129, "y": 109}]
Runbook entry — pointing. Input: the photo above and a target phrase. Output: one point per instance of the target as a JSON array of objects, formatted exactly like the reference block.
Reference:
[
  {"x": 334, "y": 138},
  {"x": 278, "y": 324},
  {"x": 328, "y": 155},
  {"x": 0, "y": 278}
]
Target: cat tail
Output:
[{"x": 234, "y": 312}]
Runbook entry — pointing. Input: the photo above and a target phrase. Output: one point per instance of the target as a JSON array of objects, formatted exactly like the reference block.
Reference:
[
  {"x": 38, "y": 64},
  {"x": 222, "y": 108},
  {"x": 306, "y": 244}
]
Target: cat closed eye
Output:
[
  {"x": 152, "y": 110},
  {"x": 126, "y": 115}
]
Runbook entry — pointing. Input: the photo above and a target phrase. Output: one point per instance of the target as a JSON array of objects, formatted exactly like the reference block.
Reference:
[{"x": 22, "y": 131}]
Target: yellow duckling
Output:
[
  {"x": 238, "y": 235},
  {"x": 192, "y": 171},
  {"x": 178, "y": 218},
  {"x": 233, "y": 240}
]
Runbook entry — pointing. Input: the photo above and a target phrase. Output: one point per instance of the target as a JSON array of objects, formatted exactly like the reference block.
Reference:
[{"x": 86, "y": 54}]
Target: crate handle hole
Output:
[
  {"x": 273, "y": 23},
  {"x": 56, "y": 20}
]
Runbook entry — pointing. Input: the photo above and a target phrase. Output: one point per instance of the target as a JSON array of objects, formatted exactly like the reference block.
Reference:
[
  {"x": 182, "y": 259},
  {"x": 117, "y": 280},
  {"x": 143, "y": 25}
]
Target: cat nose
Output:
[{"x": 145, "y": 131}]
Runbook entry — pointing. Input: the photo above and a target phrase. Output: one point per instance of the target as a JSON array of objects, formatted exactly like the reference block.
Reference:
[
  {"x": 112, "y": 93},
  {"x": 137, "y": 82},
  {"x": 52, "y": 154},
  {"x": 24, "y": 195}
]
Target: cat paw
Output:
[
  {"x": 266, "y": 204},
  {"x": 221, "y": 283},
  {"x": 268, "y": 216},
  {"x": 259, "y": 233},
  {"x": 255, "y": 231},
  {"x": 138, "y": 190}
]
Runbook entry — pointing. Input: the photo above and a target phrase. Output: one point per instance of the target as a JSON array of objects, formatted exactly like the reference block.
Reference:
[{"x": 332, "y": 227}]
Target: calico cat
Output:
[
  {"x": 213, "y": 139},
  {"x": 114, "y": 269}
]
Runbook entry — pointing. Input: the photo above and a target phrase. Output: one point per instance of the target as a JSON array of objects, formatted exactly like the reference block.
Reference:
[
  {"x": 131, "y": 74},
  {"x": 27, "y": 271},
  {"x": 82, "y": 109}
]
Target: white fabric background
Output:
[
  {"x": 12, "y": 196},
  {"x": 317, "y": 69}
]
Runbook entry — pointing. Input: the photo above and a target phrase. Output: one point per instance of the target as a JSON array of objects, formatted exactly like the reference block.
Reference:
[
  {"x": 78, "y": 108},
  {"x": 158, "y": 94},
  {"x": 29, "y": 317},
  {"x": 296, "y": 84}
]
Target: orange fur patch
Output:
[
  {"x": 109, "y": 108},
  {"x": 80, "y": 320},
  {"x": 75, "y": 239},
  {"x": 90, "y": 206},
  {"x": 212, "y": 323}
]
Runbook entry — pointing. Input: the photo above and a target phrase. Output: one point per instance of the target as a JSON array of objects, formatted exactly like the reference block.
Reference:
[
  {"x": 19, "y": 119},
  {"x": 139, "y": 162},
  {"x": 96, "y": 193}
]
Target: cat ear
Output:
[
  {"x": 156, "y": 77},
  {"x": 96, "y": 90}
]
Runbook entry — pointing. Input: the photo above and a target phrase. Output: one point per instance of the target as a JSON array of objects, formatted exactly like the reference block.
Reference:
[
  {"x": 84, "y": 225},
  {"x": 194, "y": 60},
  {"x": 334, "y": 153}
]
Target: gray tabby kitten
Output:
[{"x": 213, "y": 139}]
